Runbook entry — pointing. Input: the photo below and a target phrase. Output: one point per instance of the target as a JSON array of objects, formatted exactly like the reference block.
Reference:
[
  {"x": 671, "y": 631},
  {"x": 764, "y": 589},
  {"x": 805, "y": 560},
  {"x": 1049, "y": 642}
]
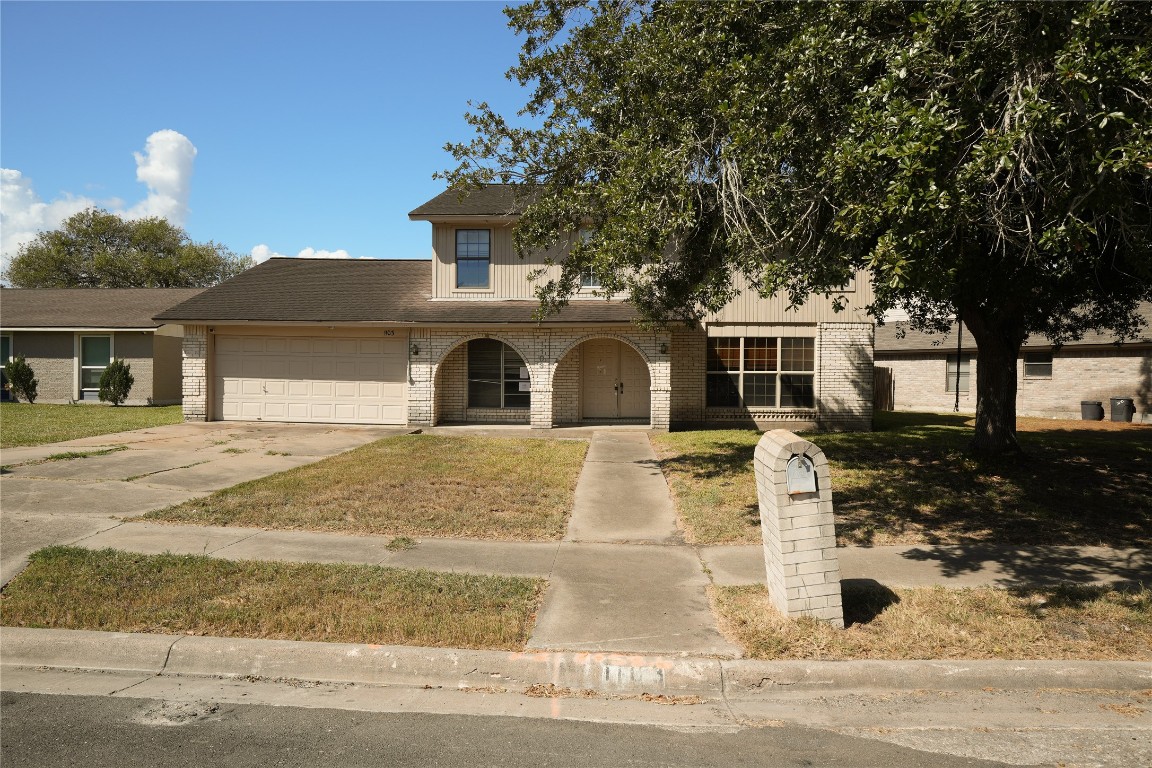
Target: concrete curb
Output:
[{"x": 606, "y": 673}]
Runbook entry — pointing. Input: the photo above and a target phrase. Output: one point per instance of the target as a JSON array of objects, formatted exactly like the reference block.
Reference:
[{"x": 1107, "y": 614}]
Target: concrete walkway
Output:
[{"x": 623, "y": 580}]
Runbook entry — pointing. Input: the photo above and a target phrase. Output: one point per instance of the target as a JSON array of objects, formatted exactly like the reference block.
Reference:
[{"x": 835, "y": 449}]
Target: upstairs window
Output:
[
  {"x": 497, "y": 376},
  {"x": 761, "y": 372},
  {"x": 589, "y": 278},
  {"x": 1037, "y": 365},
  {"x": 473, "y": 256},
  {"x": 964, "y": 367}
]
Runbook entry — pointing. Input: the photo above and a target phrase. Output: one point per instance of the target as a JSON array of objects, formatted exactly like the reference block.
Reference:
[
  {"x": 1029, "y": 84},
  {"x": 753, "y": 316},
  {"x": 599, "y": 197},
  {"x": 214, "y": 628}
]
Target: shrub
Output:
[
  {"x": 116, "y": 382},
  {"x": 21, "y": 380}
]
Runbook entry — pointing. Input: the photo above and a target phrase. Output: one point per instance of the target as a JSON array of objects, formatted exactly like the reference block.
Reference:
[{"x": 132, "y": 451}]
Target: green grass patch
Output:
[
  {"x": 912, "y": 481},
  {"x": 67, "y": 455},
  {"x": 1070, "y": 622},
  {"x": 37, "y": 424},
  {"x": 74, "y": 588},
  {"x": 411, "y": 485}
]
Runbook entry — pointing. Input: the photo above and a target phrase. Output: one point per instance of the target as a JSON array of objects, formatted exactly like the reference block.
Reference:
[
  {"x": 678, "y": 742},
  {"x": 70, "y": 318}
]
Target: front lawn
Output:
[
  {"x": 411, "y": 485},
  {"x": 1072, "y": 622},
  {"x": 73, "y": 588},
  {"x": 912, "y": 482},
  {"x": 36, "y": 424}
]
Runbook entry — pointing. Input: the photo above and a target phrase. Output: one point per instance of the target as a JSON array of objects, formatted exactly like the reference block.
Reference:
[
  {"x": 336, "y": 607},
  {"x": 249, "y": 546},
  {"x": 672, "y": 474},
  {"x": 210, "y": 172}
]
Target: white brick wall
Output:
[
  {"x": 799, "y": 534},
  {"x": 195, "y": 370},
  {"x": 844, "y": 359}
]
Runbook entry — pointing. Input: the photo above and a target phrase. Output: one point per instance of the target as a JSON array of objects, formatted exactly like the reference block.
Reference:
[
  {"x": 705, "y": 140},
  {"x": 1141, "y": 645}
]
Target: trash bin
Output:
[
  {"x": 1091, "y": 410},
  {"x": 1123, "y": 409}
]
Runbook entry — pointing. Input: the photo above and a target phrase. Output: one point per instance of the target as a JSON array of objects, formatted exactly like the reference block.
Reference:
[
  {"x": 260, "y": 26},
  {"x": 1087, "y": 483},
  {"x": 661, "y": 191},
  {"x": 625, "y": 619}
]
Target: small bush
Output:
[
  {"x": 116, "y": 382},
  {"x": 21, "y": 380}
]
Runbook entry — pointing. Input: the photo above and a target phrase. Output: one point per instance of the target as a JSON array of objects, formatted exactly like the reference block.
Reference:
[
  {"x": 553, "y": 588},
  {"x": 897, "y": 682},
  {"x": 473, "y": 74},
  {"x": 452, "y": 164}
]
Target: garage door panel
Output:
[{"x": 312, "y": 379}]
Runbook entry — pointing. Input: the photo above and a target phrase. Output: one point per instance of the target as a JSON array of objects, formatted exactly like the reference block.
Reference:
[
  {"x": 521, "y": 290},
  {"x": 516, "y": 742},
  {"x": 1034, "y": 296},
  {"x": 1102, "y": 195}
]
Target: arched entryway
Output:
[{"x": 602, "y": 380}]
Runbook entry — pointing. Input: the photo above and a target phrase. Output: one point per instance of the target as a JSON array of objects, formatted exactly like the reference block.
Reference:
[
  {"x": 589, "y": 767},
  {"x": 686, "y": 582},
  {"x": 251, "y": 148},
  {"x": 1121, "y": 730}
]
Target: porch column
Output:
[
  {"x": 541, "y": 412},
  {"x": 421, "y": 379}
]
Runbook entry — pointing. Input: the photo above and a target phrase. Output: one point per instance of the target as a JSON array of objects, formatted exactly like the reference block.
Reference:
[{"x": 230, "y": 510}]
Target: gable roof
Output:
[
  {"x": 489, "y": 200},
  {"x": 87, "y": 307},
  {"x": 362, "y": 291},
  {"x": 899, "y": 337}
]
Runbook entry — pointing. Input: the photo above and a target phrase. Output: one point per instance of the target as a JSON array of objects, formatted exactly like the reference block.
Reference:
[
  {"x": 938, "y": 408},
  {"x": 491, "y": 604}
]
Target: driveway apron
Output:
[
  {"x": 66, "y": 501},
  {"x": 623, "y": 580}
]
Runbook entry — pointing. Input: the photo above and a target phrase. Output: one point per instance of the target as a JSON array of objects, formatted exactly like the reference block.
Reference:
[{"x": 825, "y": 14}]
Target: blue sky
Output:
[{"x": 314, "y": 124}]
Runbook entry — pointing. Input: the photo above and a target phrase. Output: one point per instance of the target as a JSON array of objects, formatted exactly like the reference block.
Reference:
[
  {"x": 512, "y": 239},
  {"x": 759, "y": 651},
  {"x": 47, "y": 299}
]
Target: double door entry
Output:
[{"x": 614, "y": 382}]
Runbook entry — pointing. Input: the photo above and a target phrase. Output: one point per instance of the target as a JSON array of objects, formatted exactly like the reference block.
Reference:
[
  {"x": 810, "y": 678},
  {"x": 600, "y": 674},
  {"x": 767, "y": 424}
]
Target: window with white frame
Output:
[
  {"x": 497, "y": 376},
  {"x": 1037, "y": 365},
  {"x": 766, "y": 372},
  {"x": 95, "y": 355},
  {"x": 963, "y": 368},
  {"x": 588, "y": 276},
  {"x": 473, "y": 257}
]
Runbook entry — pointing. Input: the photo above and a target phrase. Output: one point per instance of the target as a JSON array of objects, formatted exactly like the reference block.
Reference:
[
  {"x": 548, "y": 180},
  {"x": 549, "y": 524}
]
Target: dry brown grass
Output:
[
  {"x": 912, "y": 482},
  {"x": 73, "y": 588},
  {"x": 939, "y": 623},
  {"x": 412, "y": 485}
]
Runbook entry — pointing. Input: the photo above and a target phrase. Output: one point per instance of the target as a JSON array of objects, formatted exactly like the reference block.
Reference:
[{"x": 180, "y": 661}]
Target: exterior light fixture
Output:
[
  {"x": 415, "y": 349},
  {"x": 664, "y": 349}
]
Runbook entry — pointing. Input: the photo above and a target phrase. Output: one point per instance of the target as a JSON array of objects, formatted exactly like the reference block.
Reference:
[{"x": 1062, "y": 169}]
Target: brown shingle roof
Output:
[
  {"x": 363, "y": 290},
  {"x": 87, "y": 307},
  {"x": 490, "y": 200},
  {"x": 888, "y": 337}
]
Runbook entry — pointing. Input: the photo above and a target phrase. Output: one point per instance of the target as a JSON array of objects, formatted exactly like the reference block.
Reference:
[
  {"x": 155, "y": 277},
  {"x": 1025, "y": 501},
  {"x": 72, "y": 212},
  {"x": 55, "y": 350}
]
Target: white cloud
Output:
[
  {"x": 262, "y": 253},
  {"x": 165, "y": 167}
]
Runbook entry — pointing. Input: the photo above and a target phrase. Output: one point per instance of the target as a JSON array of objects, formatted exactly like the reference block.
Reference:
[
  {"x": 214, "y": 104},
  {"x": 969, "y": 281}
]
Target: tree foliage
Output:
[
  {"x": 992, "y": 160},
  {"x": 97, "y": 249},
  {"x": 116, "y": 382},
  {"x": 22, "y": 380}
]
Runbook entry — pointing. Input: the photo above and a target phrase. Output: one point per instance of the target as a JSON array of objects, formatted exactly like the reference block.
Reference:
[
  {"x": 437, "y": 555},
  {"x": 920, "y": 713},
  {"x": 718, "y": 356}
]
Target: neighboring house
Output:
[
  {"x": 69, "y": 335},
  {"x": 454, "y": 340},
  {"x": 917, "y": 372}
]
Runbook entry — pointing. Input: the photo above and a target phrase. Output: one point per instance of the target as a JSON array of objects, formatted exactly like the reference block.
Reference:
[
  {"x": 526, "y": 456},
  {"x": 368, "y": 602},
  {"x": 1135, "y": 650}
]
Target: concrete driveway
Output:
[{"x": 62, "y": 501}]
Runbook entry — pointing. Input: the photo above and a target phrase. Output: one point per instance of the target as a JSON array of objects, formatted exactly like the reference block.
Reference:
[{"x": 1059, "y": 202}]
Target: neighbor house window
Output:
[
  {"x": 95, "y": 355},
  {"x": 761, "y": 372},
  {"x": 473, "y": 256},
  {"x": 1037, "y": 365},
  {"x": 497, "y": 376},
  {"x": 965, "y": 367}
]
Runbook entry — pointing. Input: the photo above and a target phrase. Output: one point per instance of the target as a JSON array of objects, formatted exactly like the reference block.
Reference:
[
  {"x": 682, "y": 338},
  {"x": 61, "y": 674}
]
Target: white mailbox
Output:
[{"x": 801, "y": 475}]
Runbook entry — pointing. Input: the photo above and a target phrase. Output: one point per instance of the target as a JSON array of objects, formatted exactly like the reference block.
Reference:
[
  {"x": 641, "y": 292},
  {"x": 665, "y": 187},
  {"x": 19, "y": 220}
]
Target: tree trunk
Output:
[{"x": 998, "y": 337}]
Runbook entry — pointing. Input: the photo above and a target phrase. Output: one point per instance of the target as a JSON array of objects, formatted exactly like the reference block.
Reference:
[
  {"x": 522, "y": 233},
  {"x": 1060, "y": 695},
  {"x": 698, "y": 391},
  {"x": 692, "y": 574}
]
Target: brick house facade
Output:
[
  {"x": 455, "y": 340},
  {"x": 916, "y": 372}
]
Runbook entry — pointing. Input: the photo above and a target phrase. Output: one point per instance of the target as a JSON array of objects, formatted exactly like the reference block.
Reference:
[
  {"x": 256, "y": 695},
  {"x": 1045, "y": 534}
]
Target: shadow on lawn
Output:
[{"x": 914, "y": 480}]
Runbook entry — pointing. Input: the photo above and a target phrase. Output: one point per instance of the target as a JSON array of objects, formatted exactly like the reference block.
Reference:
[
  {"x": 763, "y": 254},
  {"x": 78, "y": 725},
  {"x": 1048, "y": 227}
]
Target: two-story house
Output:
[{"x": 454, "y": 340}]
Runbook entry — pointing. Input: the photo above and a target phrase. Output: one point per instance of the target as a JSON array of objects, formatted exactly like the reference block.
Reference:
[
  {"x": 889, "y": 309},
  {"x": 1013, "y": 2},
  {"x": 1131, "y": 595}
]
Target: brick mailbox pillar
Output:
[{"x": 792, "y": 483}]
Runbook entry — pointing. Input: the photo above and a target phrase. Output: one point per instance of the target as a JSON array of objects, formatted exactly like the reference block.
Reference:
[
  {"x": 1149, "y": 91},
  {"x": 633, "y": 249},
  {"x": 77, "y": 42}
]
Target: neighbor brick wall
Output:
[
  {"x": 135, "y": 348},
  {"x": 195, "y": 370},
  {"x": 52, "y": 356},
  {"x": 1077, "y": 374}
]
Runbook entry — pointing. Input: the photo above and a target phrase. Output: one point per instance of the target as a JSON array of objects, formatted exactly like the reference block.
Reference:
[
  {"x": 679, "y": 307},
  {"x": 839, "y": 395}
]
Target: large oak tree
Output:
[
  {"x": 983, "y": 159},
  {"x": 98, "y": 249}
]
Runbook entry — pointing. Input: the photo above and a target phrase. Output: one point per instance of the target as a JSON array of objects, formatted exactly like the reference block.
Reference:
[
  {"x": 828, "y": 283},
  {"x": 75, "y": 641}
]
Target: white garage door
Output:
[{"x": 283, "y": 378}]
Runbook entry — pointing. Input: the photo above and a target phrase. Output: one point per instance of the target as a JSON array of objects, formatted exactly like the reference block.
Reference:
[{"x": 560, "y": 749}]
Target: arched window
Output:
[{"x": 497, "y": 376}]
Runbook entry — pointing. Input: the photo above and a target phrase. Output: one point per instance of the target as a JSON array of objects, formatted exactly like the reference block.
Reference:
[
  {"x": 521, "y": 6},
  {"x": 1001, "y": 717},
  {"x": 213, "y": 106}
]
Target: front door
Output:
[{"x": 615, "y": 383}]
